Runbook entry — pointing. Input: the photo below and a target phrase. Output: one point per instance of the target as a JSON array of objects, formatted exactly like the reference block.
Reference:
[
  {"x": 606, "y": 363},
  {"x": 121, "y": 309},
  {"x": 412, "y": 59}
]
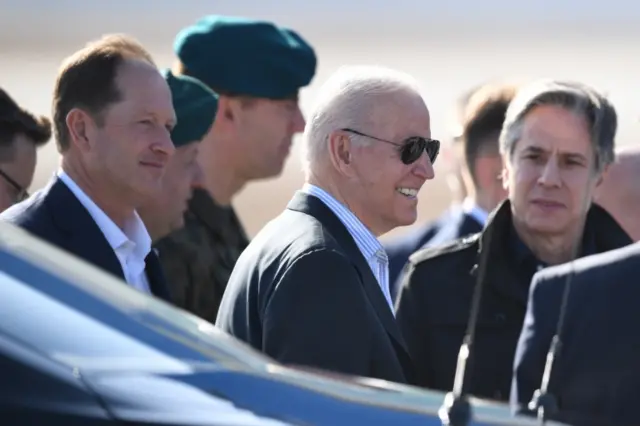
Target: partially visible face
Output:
[
  {"x": 619, "y": 193},
  {"x": 551, "y": 174},
  {"x": 133, "y": 146},
  {"x": 19, "y": 172},
  {"x": 265, "y": 130},
  {"x": 488, "y": 171},
  {"x": 385, "y": 187},
  {"x": 164, "y": 212}
]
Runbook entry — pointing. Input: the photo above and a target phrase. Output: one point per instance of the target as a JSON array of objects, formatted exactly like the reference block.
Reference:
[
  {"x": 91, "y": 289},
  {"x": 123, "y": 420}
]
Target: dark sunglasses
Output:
[
  {"x": 21, "y": 193},
  {"x": 411, "y": 149}
]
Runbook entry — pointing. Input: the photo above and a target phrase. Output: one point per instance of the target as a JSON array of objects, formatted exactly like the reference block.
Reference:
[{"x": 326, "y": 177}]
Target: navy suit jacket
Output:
[
  {"x": 596, "y": 378},
  {"x": 303, "y": 293},
  {"x": 54, "y": 214},
  {"x": 453, "y": 224}
]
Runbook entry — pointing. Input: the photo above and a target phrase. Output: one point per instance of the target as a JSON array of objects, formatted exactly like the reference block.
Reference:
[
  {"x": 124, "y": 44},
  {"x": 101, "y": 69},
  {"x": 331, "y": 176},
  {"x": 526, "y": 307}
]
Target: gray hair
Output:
[
  {"x": 346, "y": 100},
  {"x": 578, "y": 98}
]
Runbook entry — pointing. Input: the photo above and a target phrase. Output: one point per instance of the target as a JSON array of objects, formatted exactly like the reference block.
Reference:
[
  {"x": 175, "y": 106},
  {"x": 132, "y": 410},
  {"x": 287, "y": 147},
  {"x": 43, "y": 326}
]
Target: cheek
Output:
[
  {"x": 524, "y": 178},
  {"x": 582, "y": 193},
  {"x": 171, "y": 178},
  {"x": 5, "y": 199}
]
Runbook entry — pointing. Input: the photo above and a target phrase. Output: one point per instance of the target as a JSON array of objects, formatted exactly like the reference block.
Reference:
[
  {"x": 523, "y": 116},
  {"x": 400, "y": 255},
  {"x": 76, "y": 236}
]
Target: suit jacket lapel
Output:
[
  {"x": 83, "y": 237},
  {"x": 155, "y": 275},
  {"x": 314, "y": 207}
]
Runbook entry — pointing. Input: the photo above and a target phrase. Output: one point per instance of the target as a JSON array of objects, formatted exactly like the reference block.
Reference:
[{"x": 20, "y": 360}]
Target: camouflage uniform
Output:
[{"x": 198, "y": 259}]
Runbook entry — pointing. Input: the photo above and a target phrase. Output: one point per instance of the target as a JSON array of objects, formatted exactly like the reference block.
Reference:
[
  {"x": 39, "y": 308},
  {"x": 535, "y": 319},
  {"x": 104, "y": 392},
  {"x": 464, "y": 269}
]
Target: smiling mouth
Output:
[{"x": 408, "y": 192}]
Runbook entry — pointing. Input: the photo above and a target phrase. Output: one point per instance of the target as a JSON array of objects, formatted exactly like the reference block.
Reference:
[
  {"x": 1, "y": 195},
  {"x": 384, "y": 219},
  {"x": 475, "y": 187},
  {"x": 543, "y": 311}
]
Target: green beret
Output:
[
  {"x": 195, "y": 106},
  {"x": 245, "y": 57}
]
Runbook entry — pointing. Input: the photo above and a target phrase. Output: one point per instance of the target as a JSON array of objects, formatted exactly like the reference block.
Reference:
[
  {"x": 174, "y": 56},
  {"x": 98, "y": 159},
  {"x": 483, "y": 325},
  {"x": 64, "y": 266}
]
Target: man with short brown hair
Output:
[
  {"x": 112, "y": 117},
  {"x": 21, "y": 133},
  {"x": 257, "y": 68}
]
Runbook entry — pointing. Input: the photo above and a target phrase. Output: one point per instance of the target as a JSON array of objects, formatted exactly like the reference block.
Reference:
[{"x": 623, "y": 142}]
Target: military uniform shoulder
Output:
[{"x": 444, "y": 249}]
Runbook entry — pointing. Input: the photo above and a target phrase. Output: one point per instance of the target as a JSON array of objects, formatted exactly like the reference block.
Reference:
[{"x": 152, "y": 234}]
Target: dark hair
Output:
[
  {"x": 484, "y": 116},
  {"x": 87, "y": 80},
  {"x": 15, "y": 120}
]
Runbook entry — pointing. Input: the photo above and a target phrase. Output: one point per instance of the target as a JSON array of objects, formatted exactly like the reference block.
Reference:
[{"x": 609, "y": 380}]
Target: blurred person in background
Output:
[
  {"x": 257, "y": 69},
  {"x": 619, "y": 193},
  {"x": 556, "y": 142},
  {"x": 480, "y": 165},
  {"x": 195, "y": 106},
  {"x": 112, "y": 118},
  {"x": 312, "y": 288},
  {"x": 21, "y": 133}
]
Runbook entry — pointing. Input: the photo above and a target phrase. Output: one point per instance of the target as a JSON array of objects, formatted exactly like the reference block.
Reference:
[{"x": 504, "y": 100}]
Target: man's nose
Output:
[
  {"x": 423, "y": 168},
  {"x": 550, "y": 175},
  {"x": 298, "y": 121},
  {"x": 163, "y": 145}
]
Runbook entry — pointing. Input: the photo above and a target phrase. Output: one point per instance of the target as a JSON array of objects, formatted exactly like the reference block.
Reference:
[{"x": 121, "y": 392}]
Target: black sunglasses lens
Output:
[
  {"x": 414, "y": 147},
  {"x": 412, "y": 150},
  {"x": 433, "y": 148}
]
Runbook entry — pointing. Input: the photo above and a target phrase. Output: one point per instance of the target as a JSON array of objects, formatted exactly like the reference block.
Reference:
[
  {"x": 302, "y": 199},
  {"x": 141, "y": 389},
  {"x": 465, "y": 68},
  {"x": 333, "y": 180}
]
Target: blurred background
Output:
[{"x": 448, "y": 46}]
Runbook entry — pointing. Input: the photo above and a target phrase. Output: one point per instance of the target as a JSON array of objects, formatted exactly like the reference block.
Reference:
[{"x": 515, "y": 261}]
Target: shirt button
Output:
[
  {"x": 497, "y": 395},
  {"x": 500, "y": 318}
]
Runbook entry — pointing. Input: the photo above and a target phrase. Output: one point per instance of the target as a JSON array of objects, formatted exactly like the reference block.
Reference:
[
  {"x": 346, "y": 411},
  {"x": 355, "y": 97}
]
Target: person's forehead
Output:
[
  {"x": 141, "y": 83},
  {"x": 22, "y": 164},
  {"x": 401, "y": 115},
  {"x": 24, "y": 148},
  {"x": 555, "y": 128}
]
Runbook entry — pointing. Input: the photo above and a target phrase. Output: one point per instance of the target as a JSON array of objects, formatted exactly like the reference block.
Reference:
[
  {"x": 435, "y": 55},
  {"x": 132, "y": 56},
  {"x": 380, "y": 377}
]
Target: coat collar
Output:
[
  {"x": 313, "y": 206},
  {"x": 601, "y": 233}
]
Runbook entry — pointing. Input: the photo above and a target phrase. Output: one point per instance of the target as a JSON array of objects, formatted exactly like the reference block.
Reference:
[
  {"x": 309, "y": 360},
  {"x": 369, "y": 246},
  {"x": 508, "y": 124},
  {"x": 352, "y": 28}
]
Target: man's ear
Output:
[
  {"x": 82, "y": 128},
  {"x": 227, "y": 111},
  {"x": 340, "y": 150},
  {"x": 505, "y": 178},
  {"x": 603, "y": 175}
]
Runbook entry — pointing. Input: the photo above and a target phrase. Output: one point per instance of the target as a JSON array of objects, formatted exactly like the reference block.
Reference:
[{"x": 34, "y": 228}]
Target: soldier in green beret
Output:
[
  {"x": 195, "y": 106},
  {"x": 257, "y": 69}
]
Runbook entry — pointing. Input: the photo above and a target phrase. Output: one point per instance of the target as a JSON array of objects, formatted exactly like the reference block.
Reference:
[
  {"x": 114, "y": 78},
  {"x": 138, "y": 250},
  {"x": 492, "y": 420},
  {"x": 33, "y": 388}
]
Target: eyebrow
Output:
[{"x": 571, "y": 155}]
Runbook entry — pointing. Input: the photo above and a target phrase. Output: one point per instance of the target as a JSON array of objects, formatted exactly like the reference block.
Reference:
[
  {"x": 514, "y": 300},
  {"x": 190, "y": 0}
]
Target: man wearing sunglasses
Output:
[
  {"x": 312, "y": 288},
  {"x": 477, "y": 149},
  {"x": 21, "y": 133}
]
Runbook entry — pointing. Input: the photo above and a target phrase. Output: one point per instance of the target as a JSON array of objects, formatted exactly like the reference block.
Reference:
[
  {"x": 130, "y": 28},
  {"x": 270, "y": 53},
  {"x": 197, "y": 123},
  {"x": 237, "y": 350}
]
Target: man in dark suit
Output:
[
  {"x": 312, "y": 288},
  {"x": 482, "y": 118},
  {"x": 112, "y": 114},
  {"x": 595, "y": 379}
]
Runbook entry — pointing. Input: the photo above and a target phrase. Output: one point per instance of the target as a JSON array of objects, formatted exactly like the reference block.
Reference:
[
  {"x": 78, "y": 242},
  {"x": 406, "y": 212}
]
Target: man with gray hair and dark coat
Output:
[
  {"x": 595, "y": 378},
  {"x": 556, "y": 142},
  {"x": 312, "y": 288}
]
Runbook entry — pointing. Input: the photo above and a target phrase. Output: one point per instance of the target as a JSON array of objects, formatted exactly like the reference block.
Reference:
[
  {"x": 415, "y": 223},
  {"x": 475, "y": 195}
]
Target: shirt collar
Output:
[
  {"x": 369, "y": 245},
  {"x": 134, "y": 231}
]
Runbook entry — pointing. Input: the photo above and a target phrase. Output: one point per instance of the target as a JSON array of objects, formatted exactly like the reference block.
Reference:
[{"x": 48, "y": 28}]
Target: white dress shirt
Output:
[
  {"x": 131, "y": 245},
  {"x": 368, "y": 244}
]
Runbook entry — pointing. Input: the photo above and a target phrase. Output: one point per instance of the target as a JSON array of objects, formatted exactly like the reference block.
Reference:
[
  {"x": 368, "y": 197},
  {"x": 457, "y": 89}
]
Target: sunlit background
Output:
[{"x": 448, "y": 46}]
